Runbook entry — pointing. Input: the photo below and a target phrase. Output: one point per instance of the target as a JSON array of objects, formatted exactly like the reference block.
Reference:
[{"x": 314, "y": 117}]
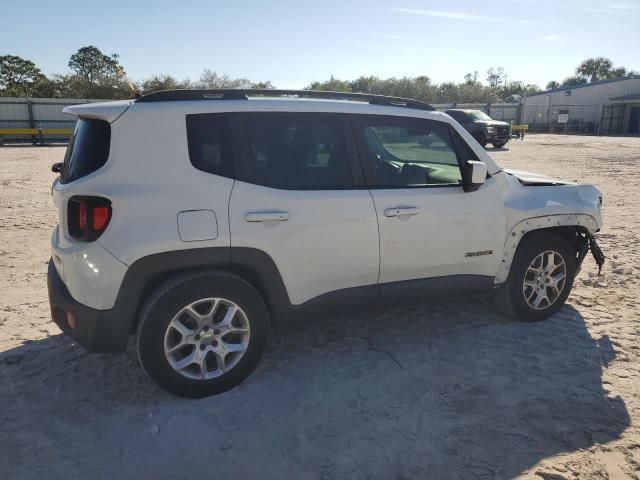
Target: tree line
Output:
[
  {"x": 93, "y": 74},
  {"x": 592, "y": 70}
]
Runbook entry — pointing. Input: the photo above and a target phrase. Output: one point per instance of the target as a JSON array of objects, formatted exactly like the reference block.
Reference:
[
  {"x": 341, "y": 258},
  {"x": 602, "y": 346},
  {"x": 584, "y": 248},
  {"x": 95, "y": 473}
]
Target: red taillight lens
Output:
[
  {"x": 100, "y": 217},
  {"x": 88, "y": 217}
]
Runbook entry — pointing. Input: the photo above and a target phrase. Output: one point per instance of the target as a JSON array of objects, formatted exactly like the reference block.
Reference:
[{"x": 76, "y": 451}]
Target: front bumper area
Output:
[
  {"x": 497, "y": 137},
  {"x": 99, "y": 331}
]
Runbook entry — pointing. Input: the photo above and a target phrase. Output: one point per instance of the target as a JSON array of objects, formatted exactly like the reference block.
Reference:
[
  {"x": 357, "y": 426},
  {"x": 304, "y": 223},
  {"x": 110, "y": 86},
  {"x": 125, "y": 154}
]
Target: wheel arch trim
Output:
[
  {"x": 522, "y": 228},
  {"x": 146, "y": 274}
]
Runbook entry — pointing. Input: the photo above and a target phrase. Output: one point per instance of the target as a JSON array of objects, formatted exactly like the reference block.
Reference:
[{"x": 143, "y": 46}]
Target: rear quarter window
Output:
[
  {"x": 208, "y": 138},
  {"x": 88, "y": 149}
]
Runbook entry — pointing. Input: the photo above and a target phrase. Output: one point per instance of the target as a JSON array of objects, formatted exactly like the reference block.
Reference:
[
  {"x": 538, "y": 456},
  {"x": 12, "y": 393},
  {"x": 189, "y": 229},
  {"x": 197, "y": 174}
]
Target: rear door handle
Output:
[
  {"x": 398, "y": 211},
  {"x": 267, "y": 216}
]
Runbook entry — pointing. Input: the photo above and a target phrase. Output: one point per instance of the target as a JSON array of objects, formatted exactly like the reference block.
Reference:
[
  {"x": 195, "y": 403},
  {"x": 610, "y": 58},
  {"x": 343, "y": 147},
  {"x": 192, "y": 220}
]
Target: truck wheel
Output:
[
  {"x": 479, "y": 137},
  {"x": 499, "y": 144},
  {"x": 202, "y": 334},
  {"x": 540, "y": 279}
]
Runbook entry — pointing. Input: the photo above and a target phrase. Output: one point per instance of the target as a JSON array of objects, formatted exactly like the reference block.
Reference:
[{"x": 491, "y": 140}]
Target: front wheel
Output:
[
  {"x": 540, "y": 279},
  {"x": 499, "y": 144},
  {"x": 202, "y": 334}
]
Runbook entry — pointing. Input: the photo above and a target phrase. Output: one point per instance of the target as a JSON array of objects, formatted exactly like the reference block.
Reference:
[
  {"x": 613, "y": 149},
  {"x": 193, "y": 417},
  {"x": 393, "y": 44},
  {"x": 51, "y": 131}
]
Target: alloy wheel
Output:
[
  {"x": 544, "y": 280},
  {"x": 207, "y": 338}
]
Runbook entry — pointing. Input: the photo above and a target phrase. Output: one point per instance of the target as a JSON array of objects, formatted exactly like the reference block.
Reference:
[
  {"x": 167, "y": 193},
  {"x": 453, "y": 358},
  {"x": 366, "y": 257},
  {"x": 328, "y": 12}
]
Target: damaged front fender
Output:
[{"x": 585, "y": 223}]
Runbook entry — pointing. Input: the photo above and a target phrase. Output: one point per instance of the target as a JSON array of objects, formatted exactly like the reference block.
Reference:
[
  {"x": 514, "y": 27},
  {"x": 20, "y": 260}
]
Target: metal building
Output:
[
  {"x": 29, "y": 113},
  {"x": 606, "y": 107}
]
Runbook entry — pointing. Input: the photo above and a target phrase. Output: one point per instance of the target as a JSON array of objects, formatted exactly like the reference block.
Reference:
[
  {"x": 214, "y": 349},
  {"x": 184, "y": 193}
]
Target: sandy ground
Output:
[{"x": 423, "y": 391}]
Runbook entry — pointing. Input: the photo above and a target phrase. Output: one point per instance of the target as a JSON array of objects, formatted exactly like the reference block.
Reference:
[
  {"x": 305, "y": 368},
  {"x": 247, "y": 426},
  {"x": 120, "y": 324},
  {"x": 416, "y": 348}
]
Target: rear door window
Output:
[
  {"x": 88, "y": 149},
  {"x": 296, "y": 151}
]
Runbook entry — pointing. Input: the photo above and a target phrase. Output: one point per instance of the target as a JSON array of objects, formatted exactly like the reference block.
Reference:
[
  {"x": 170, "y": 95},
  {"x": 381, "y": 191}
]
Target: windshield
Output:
[{"x": 478, "y": 115}]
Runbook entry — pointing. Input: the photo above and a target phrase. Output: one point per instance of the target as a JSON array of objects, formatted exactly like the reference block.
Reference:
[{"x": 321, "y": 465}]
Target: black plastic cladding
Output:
[{"x": 244, "y": 94}]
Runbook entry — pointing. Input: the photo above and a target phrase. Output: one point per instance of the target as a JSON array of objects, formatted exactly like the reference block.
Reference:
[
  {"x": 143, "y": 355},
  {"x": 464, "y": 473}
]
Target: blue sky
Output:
[{"x": 294, "y": 43}]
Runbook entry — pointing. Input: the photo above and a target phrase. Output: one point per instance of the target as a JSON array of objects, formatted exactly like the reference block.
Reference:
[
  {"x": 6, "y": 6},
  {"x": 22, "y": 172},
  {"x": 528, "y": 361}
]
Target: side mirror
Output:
[
  {"x": 57, "y": 167},
  {"x": 475, "y": 174}
]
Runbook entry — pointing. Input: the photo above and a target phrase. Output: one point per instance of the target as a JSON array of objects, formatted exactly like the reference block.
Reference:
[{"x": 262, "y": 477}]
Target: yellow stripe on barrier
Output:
[
  {"x": 36, "y": 131},
  {"x": 57, "y": 131},
  {"x": 520, "y": 127}
]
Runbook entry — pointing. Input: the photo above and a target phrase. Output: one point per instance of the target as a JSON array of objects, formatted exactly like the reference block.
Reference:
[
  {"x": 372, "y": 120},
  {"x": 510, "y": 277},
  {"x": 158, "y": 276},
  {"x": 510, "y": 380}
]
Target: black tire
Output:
[
  {"x": 510, "y": 296},
  {"x": 499, "y": 144},
  {"x": 179, "y": 292},
  {"x": 480, "y": 138}
]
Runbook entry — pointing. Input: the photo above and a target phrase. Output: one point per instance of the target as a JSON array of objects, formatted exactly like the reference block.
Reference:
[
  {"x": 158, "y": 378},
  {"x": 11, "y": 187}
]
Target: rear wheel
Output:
[
  {"x": 202, "y": 334},
  {"x": 480, "y": 138},
  {"x": 540, "y": 279}
]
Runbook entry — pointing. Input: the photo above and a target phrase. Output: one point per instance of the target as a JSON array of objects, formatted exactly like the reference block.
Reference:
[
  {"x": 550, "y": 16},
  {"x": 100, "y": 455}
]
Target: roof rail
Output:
[{"x": 244, "y": 94}]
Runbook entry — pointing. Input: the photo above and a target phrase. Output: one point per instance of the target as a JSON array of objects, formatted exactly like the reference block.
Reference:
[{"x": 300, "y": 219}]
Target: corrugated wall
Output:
[
  {"x": 584, "y": 104},
  {"x": 14, "y": 112}
]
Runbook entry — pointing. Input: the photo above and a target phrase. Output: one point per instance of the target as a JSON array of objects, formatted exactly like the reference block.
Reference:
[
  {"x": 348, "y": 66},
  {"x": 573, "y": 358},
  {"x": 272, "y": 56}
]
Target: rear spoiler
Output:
[{"x": 107, "y": 111}]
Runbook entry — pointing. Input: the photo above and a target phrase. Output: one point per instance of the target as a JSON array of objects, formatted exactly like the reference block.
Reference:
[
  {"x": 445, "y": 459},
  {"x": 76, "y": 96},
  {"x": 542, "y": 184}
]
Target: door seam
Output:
[
  {"x": 379, "y": 240},
  {"x": 229, "y": 218}
]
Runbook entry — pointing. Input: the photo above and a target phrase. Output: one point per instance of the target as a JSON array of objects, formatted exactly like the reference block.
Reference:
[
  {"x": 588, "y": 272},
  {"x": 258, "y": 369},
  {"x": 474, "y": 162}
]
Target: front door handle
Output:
[
  {"x": 399, "y": 211},
  {"x": 267, "y": 216}
]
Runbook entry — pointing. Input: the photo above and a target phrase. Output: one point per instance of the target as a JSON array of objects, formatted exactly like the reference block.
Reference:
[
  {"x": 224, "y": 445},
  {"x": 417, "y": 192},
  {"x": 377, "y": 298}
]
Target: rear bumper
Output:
[
  {"x": 92, "y": 275},
  {"x": 99, "y": 331}
]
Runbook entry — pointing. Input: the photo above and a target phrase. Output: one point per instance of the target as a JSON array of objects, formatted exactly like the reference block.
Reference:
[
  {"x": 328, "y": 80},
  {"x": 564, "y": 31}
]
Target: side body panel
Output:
[
  {"x": 535, "y": 207},
  {"x": 531, "y": 201},
  {"x": 436, "y": 229},
  {"x": 453, "y": 233},
  {"x": 329, "y": 242},
  {"x": 149, "y": 180}
]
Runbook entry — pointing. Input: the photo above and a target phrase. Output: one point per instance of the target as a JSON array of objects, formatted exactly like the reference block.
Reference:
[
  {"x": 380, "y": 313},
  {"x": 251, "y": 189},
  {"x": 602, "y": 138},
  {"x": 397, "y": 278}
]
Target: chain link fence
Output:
[{"x": 559, "y": 118}]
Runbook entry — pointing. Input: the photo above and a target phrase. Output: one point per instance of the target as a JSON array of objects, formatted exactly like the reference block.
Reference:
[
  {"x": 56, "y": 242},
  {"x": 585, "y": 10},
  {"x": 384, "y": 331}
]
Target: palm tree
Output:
[{"x": 595, "y": 68}]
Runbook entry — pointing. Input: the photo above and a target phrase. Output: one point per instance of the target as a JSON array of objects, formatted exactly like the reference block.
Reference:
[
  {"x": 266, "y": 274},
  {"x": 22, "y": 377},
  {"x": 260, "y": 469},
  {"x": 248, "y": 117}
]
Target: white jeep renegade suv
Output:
[{"x": 198, "y": 219}]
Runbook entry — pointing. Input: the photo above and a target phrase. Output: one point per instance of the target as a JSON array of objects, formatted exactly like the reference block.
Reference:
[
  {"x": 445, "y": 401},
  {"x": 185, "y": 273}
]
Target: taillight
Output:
[
  {"x": 100, "y": 218},
  {"x": 88, "y": 217}
]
